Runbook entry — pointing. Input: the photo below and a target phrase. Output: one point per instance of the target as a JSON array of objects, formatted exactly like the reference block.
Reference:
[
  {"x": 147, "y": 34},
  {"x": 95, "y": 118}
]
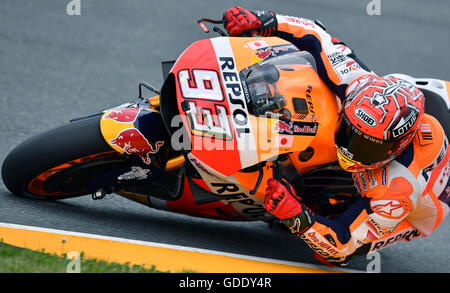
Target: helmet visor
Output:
[{"x": 362, "y": 148}]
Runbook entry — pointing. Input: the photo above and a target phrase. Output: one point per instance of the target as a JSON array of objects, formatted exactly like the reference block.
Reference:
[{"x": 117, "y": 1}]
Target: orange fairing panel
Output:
[
  {"x": 326, "y": 108},
  {"x": 213, "y": 106}
]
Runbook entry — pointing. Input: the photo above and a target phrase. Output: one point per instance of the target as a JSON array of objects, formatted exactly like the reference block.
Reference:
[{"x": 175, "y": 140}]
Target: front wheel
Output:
[{"x": 60, "y": 163}]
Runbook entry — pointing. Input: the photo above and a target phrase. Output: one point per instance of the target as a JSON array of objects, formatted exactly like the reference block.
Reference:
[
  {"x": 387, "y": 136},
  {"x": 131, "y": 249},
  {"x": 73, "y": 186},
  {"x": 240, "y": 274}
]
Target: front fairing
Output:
[
  {"x": 212, "y": 102},
  {"x": 204, "y": 107}
]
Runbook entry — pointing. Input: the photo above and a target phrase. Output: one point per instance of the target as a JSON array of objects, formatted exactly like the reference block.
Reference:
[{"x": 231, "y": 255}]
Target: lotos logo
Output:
[
  {"x": 405, "y": 124},
  {"x": 133, "y": 142},
  {"x": 282, "y": 126},
  {"x": 365, "y": 117},
  {"x": 123, "y": 115}
]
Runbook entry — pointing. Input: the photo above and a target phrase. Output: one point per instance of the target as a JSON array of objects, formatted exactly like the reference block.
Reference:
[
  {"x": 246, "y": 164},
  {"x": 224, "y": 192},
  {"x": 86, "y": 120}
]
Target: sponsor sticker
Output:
[
  {"x": 274, "y": 51},
  {"x": 258, "y": 44},
  {"x": 236, "y": 100},
  {"x": 362, "y": 179},
  {"x": 300, "y": 21},
  {"x": 407, "y": 235},
  {"x": 365, "y": 117},
  {"x": 322, "y": 247},
  {"x": 126, "y": 115},
  {"x": 136, "y": 173},
  {"x": 389, "y": 208},
  {"x": 404, "y": 124},
  {"x": 296, "y": 128},
  {"x": 239, "y": 198},
  {"x": 376, "y": 228},
  {"x": 337, "y": 58},
  {"x": 373, "y": 182},
  {"x": 133, "y": 142}
]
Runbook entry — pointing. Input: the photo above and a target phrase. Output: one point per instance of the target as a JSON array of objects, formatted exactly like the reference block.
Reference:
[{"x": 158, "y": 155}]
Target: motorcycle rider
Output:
[{"x": 398, "y": 155}]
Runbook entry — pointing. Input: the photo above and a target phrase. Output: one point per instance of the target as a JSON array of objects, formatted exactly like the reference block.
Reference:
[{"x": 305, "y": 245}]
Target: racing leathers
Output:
[{"x": 406, "y": 199}]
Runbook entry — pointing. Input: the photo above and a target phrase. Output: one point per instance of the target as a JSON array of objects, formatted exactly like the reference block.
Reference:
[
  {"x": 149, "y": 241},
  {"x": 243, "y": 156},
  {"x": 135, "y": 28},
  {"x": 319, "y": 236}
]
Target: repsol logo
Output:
[
  {"x": 402, "y": 236},
  {"x": 365, "y": 117},
  {"x": 232, "y": 194},
  {"x": 309, "y": 100},
  {"x": 234, "y": 93}
]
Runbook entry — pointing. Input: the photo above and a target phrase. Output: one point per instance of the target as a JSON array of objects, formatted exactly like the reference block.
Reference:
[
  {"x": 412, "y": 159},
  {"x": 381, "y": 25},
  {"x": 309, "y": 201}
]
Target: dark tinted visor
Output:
[{"x": 360, "y": 147}]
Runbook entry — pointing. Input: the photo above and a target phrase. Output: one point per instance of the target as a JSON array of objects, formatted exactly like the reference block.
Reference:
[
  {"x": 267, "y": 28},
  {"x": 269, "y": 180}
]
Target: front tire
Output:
[{"x": 56, "y": 164}]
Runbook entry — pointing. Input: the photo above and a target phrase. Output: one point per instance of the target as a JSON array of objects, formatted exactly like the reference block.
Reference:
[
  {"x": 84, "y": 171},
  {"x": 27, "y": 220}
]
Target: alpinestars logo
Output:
[{"x": 390, "y": 208}]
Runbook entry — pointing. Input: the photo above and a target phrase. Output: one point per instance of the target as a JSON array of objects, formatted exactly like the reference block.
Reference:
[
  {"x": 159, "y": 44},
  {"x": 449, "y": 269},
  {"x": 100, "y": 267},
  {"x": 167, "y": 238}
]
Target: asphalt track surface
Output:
[{"x": 54, "y": 67}]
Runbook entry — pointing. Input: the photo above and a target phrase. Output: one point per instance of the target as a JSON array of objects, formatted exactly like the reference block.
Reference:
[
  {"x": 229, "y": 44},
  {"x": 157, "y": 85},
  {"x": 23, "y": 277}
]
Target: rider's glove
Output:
[
  {"x": 238, "y": 21},
  {"x": 282, "y": 203}
]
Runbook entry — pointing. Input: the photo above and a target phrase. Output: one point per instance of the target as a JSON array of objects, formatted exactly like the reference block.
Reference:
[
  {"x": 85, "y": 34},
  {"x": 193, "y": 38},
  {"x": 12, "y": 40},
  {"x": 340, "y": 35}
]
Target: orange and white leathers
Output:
[{"x": 404, "y": 200}]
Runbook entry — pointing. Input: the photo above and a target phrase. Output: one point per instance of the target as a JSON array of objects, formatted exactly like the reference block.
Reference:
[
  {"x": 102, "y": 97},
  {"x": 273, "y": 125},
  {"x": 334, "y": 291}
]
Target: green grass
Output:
[{"x": 20, "y": 260}]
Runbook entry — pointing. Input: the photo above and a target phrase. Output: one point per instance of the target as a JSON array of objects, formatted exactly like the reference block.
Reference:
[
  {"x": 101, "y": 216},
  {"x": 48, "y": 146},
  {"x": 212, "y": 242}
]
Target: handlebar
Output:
[{"x": 201, "y": 23}]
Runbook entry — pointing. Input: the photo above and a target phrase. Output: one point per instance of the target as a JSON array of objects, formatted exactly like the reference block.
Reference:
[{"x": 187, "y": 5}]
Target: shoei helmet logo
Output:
[{"x": 365, "y": 117}]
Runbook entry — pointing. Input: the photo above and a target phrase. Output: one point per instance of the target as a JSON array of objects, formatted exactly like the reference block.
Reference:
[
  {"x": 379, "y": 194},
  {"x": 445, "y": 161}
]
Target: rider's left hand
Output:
[{"x": 238, "y": 21}]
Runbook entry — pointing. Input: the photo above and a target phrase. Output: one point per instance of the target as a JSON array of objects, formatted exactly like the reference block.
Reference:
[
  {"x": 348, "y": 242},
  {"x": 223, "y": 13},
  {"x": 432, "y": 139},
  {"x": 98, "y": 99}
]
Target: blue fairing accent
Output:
[{"x": 341, "y": 224}]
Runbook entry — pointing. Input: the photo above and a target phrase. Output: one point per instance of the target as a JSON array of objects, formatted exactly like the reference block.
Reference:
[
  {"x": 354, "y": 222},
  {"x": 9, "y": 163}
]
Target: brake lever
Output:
[{"x": 201, "y": 23}]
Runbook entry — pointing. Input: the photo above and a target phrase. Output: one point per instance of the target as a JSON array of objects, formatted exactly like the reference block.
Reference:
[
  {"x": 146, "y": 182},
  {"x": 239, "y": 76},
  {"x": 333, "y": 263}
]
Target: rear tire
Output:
[{"x": 56, "y": 147}]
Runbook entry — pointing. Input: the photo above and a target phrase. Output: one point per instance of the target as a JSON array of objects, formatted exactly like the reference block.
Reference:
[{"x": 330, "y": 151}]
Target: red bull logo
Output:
[
  {"x": 263, "y": 53},
  {"x": 133, "y": 142},
  {"x": 127, "y": 115},
  {"x": 283, "y": 127}
]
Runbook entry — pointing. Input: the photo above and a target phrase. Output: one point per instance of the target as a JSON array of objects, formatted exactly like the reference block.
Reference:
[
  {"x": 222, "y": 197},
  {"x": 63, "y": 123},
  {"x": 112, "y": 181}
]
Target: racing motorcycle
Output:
[{"x": 232, "y": 113}]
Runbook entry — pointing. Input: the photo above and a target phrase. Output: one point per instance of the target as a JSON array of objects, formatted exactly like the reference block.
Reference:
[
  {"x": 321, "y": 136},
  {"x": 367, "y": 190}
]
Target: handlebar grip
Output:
[
  {"x": 248, "y": 33},
  {"x": 276, "y": 167}
]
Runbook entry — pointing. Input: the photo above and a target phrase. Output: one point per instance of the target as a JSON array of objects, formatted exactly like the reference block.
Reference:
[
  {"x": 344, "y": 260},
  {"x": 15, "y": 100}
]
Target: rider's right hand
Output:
[
  {"x": 280, "y": 201},
  {"x": 239, "y": 21}
]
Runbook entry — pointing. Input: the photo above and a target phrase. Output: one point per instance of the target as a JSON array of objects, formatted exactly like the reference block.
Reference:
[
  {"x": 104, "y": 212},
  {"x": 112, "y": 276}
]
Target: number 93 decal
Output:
[{"x": 204, "y": 103}]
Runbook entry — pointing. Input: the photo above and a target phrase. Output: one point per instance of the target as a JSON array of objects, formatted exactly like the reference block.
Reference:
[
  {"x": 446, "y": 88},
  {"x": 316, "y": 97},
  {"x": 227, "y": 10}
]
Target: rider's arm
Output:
[
  {"x": 403, "y": 200},
  {"x": 336, "y": 63},
  {"x": 385, "y": 202},
  {"x": 368, "y": 220}
]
